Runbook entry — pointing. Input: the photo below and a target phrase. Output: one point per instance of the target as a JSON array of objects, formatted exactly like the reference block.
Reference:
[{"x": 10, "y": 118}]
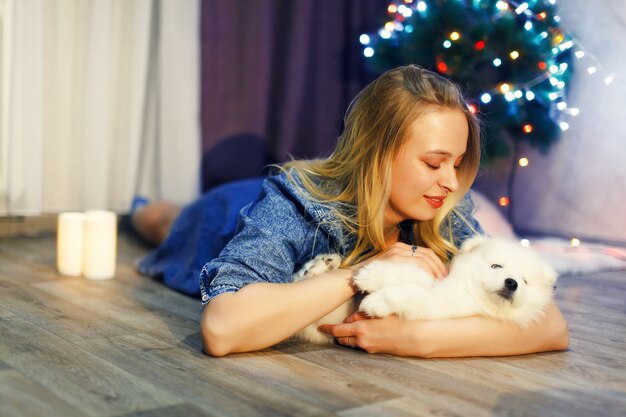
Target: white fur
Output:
[
  {"x": 319, "y": 265},
  {"x": 473, "y": 286}
]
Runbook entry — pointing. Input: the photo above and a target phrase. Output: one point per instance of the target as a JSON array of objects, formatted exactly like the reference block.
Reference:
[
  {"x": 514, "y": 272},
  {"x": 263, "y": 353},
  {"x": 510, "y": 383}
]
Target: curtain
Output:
[
  {"x": 98, "y": 103},
  {"x": 277, "y": 77}
]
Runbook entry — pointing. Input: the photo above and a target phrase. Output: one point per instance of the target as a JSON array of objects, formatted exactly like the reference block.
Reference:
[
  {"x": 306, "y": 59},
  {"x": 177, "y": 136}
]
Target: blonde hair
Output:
[{"x": 355, "y": 179}]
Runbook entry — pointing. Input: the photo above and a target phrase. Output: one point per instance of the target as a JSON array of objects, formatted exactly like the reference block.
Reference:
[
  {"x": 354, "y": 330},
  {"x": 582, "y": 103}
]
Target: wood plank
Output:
[
  {"x": 34, "y": 226},
  {"x": 185, "y": 409},
  {"x": 328, "y": 388},
  {"x": 154, "y": 294},
  {"x": 207, "y": 382},
  {"x": 20, "y": 264},
  {"x": 21, "y": 397},
  {"x": 408, "y": 407},
  {"x": 61, "y": 317},
  {"x": 430, "y": 406},
  {"x": 104, "y": 298},
  {"x": 74, "y": 375},
  {"x": 407, "y": 378}
]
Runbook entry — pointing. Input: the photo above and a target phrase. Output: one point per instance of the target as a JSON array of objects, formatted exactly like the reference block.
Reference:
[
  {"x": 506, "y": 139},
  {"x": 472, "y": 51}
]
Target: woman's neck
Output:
[{"x": 392, "y": 235}]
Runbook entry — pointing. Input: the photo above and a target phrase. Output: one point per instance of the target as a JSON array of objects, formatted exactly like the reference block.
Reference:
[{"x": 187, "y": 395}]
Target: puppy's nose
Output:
[{"x": 510, "y": 284}]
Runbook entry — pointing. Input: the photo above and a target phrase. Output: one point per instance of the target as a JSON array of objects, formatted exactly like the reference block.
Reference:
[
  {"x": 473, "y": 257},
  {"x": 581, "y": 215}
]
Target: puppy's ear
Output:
[
  {"x": 473, "y": 242},
  {"x": 549, "y": 273}
]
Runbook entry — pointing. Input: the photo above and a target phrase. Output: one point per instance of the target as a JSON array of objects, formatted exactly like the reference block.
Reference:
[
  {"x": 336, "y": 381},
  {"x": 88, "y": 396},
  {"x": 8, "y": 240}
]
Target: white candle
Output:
[
  {"x": 99, "y": 244},
  {"x": 70, "y": 243}
]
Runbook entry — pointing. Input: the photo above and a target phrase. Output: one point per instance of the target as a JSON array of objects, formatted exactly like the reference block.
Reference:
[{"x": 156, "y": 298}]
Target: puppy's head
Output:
[{"x": 509, "y": 281}]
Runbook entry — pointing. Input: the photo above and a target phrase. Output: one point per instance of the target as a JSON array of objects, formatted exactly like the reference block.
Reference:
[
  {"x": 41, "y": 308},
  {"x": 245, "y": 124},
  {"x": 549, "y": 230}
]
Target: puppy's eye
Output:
[{"x": 496, "y": 266}]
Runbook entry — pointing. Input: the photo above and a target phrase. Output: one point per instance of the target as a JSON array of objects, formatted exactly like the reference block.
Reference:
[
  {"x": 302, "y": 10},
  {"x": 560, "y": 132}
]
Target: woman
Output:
[{"x": 397, "y": 179}]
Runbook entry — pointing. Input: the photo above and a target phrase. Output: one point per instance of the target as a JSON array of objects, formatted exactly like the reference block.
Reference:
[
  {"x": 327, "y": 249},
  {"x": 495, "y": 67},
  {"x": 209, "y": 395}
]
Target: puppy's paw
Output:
[
  {"x": 382, "y": 303},
  {"x": 319, "y": 265},
  {"x": 310, "y": 334},
  {"x": 371, "y": 277},
  {"x": 327, "y": 262}
]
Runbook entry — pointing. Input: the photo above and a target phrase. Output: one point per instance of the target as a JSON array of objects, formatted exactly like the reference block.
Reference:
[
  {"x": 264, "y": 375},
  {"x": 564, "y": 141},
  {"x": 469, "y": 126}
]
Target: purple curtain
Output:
[{"x": 277, "y": 76}]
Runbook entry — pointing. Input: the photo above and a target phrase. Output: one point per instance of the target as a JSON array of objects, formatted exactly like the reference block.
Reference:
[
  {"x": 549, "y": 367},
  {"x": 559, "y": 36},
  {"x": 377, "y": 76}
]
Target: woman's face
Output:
[{"x": 424, "y": 171}]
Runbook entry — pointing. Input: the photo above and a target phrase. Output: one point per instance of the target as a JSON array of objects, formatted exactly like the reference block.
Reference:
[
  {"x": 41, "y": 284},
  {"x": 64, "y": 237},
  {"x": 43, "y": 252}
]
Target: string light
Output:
[
  {"x": 558, "y": 39},
  {"x": 523, "y": 162},
  {"x": 502, "y": 5},
  {"x": 521, "y": 8},
  {"x": 573, "y": 111},
  {"x": 575, "y": 243},
  {"x": 503, "y": 201},
  {"x": 406, "y": 12},
  {"x": 524, "y": 242}
]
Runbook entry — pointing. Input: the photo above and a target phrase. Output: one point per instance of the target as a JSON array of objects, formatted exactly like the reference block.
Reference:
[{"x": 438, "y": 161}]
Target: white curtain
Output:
[{"x": 99, "y": 102}]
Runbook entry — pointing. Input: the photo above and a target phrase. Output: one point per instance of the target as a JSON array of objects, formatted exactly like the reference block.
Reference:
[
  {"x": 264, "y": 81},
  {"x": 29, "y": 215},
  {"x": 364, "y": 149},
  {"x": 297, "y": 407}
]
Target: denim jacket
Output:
[{"x": 280, "y": 232}]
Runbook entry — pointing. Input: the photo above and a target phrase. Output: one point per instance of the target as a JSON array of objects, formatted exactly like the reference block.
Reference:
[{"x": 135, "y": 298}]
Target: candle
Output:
[
  {"x": 70, "y": 243},
  {"x": 99, "y": 244}
]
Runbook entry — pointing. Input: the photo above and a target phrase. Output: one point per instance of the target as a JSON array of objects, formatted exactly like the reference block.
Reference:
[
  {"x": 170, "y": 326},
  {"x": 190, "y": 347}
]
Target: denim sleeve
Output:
[
  {"x": 273, "y": 234},
  {"x": 464, "y": 225}
]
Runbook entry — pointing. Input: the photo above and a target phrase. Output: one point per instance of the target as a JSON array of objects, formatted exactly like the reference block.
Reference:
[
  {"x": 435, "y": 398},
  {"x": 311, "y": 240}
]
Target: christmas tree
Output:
[{"x": 511, "y": 59}]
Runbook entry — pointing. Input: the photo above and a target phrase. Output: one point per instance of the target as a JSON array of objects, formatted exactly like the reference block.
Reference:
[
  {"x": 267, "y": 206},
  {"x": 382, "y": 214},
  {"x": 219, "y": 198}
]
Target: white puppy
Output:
[{"x": 493, "y": 277}]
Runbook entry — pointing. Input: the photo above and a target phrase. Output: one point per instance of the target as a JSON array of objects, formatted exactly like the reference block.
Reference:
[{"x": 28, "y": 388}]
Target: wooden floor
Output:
[{"x": 131, "y": 347}]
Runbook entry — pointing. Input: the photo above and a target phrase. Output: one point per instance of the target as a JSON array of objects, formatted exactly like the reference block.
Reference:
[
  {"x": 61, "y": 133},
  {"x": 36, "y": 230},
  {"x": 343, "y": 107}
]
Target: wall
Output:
[{"x": 578, "y": 188}]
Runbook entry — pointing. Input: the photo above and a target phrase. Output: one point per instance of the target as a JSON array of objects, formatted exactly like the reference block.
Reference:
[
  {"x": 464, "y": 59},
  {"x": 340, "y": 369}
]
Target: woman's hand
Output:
[
  {"x": 455, "y": 337},
  {"x": 376, "y": 335},
  {"x": 401, "y": 252}
]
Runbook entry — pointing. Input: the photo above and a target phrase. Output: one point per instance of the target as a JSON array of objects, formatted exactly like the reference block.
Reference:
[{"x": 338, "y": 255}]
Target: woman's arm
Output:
[
  {"x": 262, "y": 314},
  {"x": 459, "y": 337}
]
